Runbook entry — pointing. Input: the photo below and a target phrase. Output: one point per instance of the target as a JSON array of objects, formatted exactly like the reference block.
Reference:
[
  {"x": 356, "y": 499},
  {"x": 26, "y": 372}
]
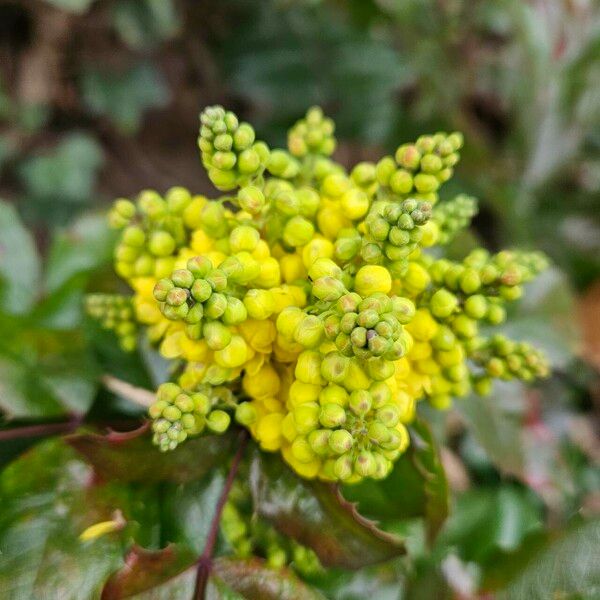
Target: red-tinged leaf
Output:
[
  {"x": 254, "y": 580},
  {"x": 147, "y": 569},
  {"x": 316, "y": 515},
  {"x": 131, "y": 456}
]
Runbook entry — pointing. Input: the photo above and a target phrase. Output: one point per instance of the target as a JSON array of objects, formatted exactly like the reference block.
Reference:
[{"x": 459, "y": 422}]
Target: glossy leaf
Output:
[
  {"x": 316, "y": 515},
  {"x": 46, "y": 504},
  {"x": 131, "y": 456},
  {"x": 145, "y": 570},
  {"x": 252, "y": 579}
]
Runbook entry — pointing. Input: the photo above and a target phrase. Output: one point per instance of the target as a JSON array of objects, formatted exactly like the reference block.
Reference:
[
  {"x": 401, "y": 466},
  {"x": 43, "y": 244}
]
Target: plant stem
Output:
[
  {"x": 45, "y": 429},
  {"x": 39, "y": 430},
  {"x": 132, "y": 393},
  {"x": 204, "y": 563}
]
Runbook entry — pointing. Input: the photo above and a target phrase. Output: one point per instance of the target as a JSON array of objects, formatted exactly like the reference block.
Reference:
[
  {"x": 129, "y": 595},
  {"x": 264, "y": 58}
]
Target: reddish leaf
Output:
[
  {"x": 131, "y": 456},
  {"x": 316, "y": 515},
  {"x": 147, "y": 569}
]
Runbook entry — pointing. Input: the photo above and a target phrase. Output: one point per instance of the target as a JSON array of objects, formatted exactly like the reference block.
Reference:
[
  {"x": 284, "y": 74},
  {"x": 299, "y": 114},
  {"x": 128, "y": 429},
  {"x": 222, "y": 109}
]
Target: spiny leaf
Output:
[
  {"x": 254, "y": 580},
  {"x": 316, "y": 515},
  {"x": 146, "y": 569},
  {"x": 132, "y": 456}
]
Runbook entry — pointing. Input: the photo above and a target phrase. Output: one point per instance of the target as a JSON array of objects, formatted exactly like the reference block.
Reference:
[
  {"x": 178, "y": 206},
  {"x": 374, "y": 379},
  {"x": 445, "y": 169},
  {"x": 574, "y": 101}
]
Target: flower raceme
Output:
[{"x": 312, "y": 305}]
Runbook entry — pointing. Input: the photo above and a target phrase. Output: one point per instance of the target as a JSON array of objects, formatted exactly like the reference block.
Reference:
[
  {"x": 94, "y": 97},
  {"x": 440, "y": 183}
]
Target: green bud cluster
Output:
[
  {"x": 503, "y": 358},
  {"x": 251, "y": 536},
  {"x": 177, "y": 414},
  {"x": 370, "y": 327},
  {"x": 198, "y": 296},
  {"x": 312, "y": 135},
  {"x": 153, "y": 229},
  {"x": 453, "y": 216},
  {"x": 230, "y": 152},
  {"x": 355, "y": 432},
  {"x": 393, "y": 231},
  {"x": 115, "y": 312},
  {"x": 418, "y": 170}
]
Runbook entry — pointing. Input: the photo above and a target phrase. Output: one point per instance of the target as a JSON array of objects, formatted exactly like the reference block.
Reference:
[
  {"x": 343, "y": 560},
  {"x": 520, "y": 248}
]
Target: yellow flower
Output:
[
  {"x": 371, "y": 279},
  {"x": 263, "y": 384},
  {"x": 292, "y": 268},
  {"x": 268, "y": 431},
  {"x": 260, "y": 335},
  {"x": 201, "y": 243},
  {"x": 318, "y": 247},
  {"x": 423, "y": 326}
]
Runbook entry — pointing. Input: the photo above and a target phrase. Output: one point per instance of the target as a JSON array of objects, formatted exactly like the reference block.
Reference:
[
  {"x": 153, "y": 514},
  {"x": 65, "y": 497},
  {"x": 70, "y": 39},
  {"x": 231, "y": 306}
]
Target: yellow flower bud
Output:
[
  {"x": 270, "y": 274},
  {"x": 263, "y": 384},
  {"x": 259, "y": 304},
  {"x": 317, "y": 248},
  {"x": 371, "y": 279},
  {"x": 292, "y": 268}
]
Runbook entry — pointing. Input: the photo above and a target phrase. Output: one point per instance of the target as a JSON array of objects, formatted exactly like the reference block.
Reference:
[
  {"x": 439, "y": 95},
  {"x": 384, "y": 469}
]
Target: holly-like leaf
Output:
[
  {"x": 19, "y": 263},
  {"x": 317, "y": 516},
  {"x": 147, "y": 570},
  {"x": 132, "y": 456},
  {"x": 254, "y": 580},
  {"x": 416, "y": 487}
]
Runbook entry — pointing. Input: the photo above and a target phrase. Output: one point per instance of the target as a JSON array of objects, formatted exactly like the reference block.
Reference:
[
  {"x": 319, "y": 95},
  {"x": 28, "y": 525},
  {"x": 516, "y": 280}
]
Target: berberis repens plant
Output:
[{"x": 312, "y": 305}]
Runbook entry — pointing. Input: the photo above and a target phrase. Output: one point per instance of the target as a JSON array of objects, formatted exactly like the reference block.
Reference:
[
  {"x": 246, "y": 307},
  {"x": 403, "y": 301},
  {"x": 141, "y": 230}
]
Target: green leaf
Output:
[
  {"x": 74, "y": 6},
  {"x": 419, "y": 474},
  {"x": 316, "y": 515},
  {"x": 45, "y": 374},
  {"x": 568, "y": 568},
  {"x": 46, "y": 503},
  {"x": 124, "y": 98},
  {"x": 132, "y": 456},
  {"x": 544, "y": 317},
  {"x": 496, "y": 423},
  {"x": 19, "y": 263},
  {"x": 488, "y": 523},
  {"x": 82, "y": 248},
  {"x": 63, "y": 177},
  {"x": 252, "y": 579},
  {"x": 145, "y": 23}
]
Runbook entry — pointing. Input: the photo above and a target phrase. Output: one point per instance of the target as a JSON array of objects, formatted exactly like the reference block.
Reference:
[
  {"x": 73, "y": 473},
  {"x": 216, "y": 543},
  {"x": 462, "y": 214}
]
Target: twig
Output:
[
  {"x": 39, "y": 430},
  {"x": 204, "y": 563},
  {"x": 130, "y": 392}
]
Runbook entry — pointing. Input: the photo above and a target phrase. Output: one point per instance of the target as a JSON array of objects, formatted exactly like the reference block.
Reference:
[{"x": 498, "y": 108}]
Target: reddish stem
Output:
[
  {"x": 45, "y": 429},
  {"x": 204, "y": 563}
]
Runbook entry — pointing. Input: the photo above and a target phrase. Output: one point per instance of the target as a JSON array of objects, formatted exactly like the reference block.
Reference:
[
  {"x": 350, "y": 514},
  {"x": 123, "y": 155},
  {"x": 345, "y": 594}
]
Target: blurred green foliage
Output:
[{"x": 100, "y": 99}]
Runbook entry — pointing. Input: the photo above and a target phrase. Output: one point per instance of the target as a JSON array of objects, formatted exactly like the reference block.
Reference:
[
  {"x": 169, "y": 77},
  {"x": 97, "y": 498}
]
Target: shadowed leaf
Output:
[
  {"x": 316, "y": 515},
  {"x": 132, "y": 456}
]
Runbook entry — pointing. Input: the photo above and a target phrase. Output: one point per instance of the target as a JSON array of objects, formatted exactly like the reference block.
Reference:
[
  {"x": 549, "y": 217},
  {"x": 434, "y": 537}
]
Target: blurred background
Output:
[{"x": 100, "y": 99}]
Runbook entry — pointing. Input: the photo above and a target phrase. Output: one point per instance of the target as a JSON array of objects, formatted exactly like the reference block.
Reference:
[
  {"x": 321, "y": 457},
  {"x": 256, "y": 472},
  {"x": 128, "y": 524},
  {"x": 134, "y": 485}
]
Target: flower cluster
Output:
[{"x": 313, "y": 305}]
